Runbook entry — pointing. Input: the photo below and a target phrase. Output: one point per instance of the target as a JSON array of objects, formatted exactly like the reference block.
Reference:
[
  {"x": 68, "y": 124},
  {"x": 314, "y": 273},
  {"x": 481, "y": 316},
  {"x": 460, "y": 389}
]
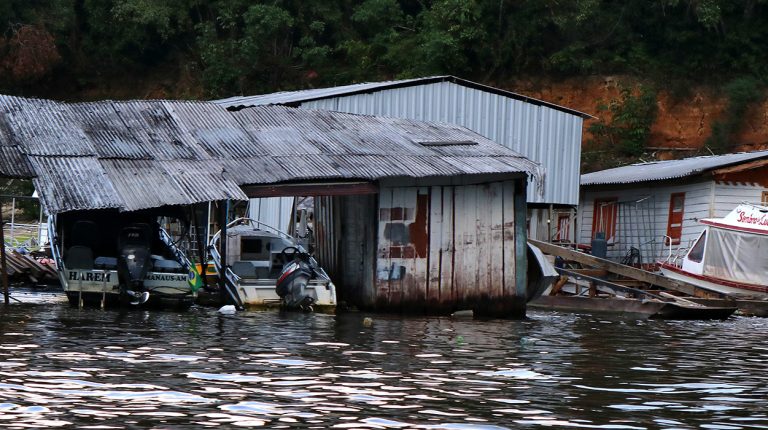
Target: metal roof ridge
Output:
[{"x": 380, "y": 85}]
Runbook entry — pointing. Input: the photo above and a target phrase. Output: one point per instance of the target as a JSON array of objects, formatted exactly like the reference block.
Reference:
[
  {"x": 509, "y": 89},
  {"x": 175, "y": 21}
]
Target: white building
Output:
[
  {"x": 543, "y": 132},
  {"x": 655, "y": 207}
]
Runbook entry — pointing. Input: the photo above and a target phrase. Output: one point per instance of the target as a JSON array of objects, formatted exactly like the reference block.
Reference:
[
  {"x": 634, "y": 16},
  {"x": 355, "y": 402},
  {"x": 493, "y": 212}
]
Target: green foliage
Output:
[
  {"x": 235, "y": 46},
  {"x": 30, "y": 209},
  {"x": 742, "y": 93},
  {"x": 625, "y": 132}
]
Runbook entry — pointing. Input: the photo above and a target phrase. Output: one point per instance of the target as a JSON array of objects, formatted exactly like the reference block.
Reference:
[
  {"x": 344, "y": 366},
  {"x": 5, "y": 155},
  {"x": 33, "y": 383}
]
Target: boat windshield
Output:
[
  {"x": 697, "y": 252},
  {"x": 737, "y": 256}
]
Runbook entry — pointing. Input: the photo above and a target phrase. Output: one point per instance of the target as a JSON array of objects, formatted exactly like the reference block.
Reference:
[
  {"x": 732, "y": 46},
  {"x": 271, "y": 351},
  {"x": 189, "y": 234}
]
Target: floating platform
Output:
[{"x": 632, "y": 308}]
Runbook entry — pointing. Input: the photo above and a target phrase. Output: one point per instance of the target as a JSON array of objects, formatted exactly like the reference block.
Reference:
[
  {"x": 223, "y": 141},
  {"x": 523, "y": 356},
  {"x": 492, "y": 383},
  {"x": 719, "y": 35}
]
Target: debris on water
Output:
[
  {"x": 468, "y": 313},
  {"x": 227, "y": 310},
  {"x": 367, "y": 322}
]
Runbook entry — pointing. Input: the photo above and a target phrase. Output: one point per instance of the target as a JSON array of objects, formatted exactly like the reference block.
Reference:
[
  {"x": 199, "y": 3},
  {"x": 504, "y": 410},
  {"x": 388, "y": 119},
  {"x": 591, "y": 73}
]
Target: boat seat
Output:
[
  {"x": 105, "y": 263},
  {"x": 79, "y": 257},
  {"x": 166, "y": 266},
  {"x": 244, "y": 269}
]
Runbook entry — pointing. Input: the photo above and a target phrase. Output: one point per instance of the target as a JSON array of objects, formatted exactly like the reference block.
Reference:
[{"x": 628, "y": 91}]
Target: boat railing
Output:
[
  {"x": 257, "y": 224},
  {"x": 758, "y": 205},
  {"x": 675, "y": 255},
  {"x": 180, "y": 256}
]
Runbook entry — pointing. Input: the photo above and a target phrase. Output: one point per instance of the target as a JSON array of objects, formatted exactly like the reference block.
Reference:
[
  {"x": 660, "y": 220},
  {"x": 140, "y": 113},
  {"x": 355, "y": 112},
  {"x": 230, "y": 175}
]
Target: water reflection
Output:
[{"x": 108, "y": 369}]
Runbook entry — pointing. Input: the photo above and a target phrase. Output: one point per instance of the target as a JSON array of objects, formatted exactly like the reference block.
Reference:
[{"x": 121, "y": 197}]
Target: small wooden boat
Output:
[
  {"x": 106, "y": 258},
  {"x": 604, "y": 286},
  {"x": 604, "y": 296},
  {"x": 268, "y": 268}
]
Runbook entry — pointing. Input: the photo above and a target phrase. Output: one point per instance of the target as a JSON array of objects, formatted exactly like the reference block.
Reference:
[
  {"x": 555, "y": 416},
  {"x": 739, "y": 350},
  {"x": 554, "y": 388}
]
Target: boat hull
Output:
[
  {"x": 97, "y": 288},
  {"x": 261, "y": 294},
  {"x": 733, "y": 289}
]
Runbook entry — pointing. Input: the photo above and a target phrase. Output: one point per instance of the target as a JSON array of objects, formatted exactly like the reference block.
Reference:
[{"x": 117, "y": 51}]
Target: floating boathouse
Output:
[{"x": 420, "y": 216}]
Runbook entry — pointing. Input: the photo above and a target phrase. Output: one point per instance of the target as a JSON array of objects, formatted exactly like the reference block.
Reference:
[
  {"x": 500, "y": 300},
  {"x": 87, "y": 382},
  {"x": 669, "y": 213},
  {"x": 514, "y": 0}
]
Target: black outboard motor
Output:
[
  {"x": 292, "y": 282},
  {"x": 134, "y": 250}
]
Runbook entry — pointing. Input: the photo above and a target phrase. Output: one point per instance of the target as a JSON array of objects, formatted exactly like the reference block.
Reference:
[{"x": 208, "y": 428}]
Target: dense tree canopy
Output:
[
  {"x": 240, "y": 46},
  {"x": 83, "y": 49}
]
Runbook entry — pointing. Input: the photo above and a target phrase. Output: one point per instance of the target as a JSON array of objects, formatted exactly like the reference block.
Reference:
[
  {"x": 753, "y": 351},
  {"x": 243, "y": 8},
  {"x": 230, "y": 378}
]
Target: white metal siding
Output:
[
  {"x": 730, "y": 195},
  {"x": 272, "y": 211},
  {"x": 698, "y": 198},
  {"x": 543, "y": 134}
]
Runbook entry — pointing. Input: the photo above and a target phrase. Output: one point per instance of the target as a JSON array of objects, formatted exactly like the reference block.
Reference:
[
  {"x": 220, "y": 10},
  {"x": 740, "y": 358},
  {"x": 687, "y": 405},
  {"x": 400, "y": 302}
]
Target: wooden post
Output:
[
  {"x": 223, "y": 213},
  {"x": 13, "y": 219},
  {"x": 3, "y": 265},
  {"x": 521, "y": 244}
]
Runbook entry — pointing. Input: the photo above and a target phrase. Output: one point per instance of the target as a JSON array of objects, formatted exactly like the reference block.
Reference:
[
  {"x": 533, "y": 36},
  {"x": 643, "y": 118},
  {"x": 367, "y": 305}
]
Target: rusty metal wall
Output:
[
  {"x": 446, "y": 248},
  {"x": 357, "y": 247},
  {"x": 326, "y": 235}
]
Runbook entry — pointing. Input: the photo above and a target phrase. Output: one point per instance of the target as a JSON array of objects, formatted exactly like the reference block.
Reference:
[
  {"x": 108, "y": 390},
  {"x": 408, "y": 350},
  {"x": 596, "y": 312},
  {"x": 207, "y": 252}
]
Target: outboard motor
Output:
[
  {"x": 134, "y": 245},
  {"x": 292, "y": 282}
]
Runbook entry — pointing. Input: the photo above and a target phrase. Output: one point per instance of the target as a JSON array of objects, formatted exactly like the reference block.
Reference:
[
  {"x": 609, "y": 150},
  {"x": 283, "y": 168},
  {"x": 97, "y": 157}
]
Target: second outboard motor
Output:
[
  {"x": 292, "y": 283},
  {"x": 134, "y": 245}
]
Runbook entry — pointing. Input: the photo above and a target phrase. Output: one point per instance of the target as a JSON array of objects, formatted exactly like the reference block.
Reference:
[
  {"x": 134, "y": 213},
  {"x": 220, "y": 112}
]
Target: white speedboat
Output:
[
  {"x": 107, "y": 258},
  {"x": 730, "y": 256},
  {"x": 268, "y": 268}
]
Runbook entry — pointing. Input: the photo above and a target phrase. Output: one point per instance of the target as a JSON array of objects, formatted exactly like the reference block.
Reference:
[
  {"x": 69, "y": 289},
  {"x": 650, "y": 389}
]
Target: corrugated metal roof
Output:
[
  {"x": 545, "y": 133},
  {"x": 670, "y": 169},
  {"x": 301, "y": 96},
  {"x": 142, "y": 154}
]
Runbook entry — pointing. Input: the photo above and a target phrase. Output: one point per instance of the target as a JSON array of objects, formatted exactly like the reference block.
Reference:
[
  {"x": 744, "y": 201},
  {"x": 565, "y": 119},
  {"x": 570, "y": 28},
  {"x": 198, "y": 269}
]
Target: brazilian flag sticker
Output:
[{"x": 195, "y": 280}]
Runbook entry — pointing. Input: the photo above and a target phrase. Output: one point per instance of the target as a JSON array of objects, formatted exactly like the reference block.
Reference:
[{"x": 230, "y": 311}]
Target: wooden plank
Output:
[
  {"x": 592, "y": 272},
  {"x": 466, "y": 226},
  {"x": 496, "y": 245},
  {"x": 383, "y": 260},
  {"x": 447, "y": 246},
  {"x": 521, "y": 247},
  {"x": 508, "y": 203},
  {"x": 399, "y": 203},
  {"x": 620, "y": 269},
  {"x": 679, "y": 299},
  {"x": 482, "y": 242},
  {"x": 417, "y": 270},
  {"x": 435, "y": 243},
  {"x": 459, "y": 227}
]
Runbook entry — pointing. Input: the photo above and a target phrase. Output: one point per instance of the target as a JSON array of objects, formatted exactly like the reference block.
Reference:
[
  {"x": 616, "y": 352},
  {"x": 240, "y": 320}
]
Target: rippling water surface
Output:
[{"x": 62, "y": 367}]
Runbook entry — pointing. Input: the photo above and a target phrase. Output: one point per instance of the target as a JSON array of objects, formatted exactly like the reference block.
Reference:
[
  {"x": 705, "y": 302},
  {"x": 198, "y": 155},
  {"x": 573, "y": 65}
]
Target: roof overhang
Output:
[{"x": 311, "y": 189}]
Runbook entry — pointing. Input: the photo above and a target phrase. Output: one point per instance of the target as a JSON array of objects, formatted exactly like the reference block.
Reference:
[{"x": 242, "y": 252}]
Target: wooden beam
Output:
[
  {"x": 741, "y": 167},
  {"x": 627, "y": 271},
  {"x": 315, "y": 189}
]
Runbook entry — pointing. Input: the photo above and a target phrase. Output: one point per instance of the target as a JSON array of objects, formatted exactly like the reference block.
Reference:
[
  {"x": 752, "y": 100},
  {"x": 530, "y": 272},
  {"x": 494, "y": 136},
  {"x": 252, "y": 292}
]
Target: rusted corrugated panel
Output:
[
  {"x": 202, "y": 180},
  {"x": 309, "y": 167},
  {"x": 282, "y": 131},
  {"x": 45, "y": 127},
  {"x": 254, "y": 170},
  {"x": 13, "y": 163},
  {"x": 326, "y": 234},
  {"x": 158, "y": 131},
  {"x": 193, "y": 151},
  {"x": 668, "y": 169},
  {"x": 71, "y": 183},
  {"x": 141, "y": 184},
  {"x": 216, "y": 130},
  {"x": 447, "y": 248},
  {"x": 110, "y": 136}
]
